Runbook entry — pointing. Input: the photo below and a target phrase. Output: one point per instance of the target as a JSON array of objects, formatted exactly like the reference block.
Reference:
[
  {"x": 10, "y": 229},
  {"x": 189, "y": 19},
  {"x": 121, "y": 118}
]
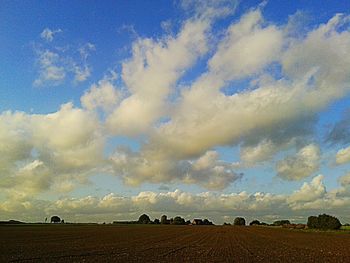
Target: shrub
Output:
[
  {"x": 239, "y": 221},
  {"x": 144, "y": 219},
  {"x": 323, "y": 222},
  {"x": 281, "y": 222},
  {"x": 156, "y": 221},
  {"x": 254, "y": 223}
]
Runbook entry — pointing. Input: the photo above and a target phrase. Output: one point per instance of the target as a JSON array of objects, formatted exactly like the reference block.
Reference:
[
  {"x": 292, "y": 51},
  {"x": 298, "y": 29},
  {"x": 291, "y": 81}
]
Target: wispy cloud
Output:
[
  {"x": 48, "y": 34},
  {"x": 56, "y": 64}
]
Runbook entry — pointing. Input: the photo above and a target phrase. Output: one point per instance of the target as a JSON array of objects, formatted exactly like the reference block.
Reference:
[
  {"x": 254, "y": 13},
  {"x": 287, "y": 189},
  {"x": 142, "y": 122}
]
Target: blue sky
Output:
[{"x": 197, "y": 108}]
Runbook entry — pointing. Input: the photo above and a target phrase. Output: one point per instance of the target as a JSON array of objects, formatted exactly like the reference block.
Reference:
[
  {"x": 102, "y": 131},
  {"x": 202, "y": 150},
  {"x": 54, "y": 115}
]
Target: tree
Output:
[
  {"x": 312, "y": 222},
  {"x": 156, "y": 221},
  {"x": 254, "y": 223},
  {"x": 323, "y": 222},
  {"x": 207, "y": 222},
  {"x": 178, "y": 220},
  {"x": 55, "y": 219},
  {"x": 144, "y": 219},
  {"x": 164, "y": 219},
  {"x": 281, "y": 222},
  {"x": 239, "y": 221}
]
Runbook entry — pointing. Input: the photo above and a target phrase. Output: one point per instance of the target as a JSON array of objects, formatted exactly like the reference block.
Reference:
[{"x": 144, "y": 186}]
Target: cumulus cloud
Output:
[
  {"x": 208, "y": 170},
  {"x": 343, "y": 156},
  {"x": 204, "y": 117},
  {"x": 102, "y": 95},
  {"x": 309, "y": 192},
  {"x": 42, "y": 152},
  {"x": 312, "y": 196},
  {"x": 155, "y": 67},
  {"x": 279, "y": 112},
  {"x": 303, "y": 164}
]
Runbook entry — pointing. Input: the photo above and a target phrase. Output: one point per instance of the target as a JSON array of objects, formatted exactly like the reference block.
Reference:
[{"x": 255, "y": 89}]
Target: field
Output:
[{"x": 150, "y": 243}]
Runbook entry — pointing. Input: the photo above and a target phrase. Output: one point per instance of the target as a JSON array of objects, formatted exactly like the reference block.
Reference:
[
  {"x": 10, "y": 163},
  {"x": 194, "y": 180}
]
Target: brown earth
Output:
[{"x": 157, "y": 243}]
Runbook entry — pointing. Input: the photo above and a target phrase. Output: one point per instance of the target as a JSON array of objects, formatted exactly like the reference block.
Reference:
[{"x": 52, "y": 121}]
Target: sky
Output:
[{"x": 211, "y": 109}]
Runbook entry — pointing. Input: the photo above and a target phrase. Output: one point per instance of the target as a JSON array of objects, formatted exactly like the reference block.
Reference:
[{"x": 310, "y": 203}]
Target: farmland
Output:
[{"x": 150, "y": 243}]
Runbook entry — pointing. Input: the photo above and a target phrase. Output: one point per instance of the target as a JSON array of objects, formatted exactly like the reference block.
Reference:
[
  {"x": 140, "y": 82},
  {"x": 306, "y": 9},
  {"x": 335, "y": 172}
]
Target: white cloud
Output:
[
  {"x": 247, "y": 47},
  {"x": 42, "y": 152},
  {"x": 311, "y": 198},
  {"x": 308, "y": 192},
  {"x": 258, "y": 153},
  {"x": 303, "y": 164},
  {"x": 49, "y": 34},
  {"x": 208, "y": 170},
  {"x": 153, "y": 70},
  {"x": 56, "y": 64},
  {"x": 102, "y": 95},
  {"x": 343, "y": 156},
  {"x": 51, "y": 69}
]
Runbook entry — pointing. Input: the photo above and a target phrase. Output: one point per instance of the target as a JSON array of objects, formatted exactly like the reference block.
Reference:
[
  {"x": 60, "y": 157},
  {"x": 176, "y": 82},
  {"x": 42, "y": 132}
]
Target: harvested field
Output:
[{"x": 137, "y": 243}]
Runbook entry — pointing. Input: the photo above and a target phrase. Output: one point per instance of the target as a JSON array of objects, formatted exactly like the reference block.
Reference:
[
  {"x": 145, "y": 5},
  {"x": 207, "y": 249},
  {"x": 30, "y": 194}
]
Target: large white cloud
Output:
[
  {"x": 151, "y": 74},
  {"x": 303, "y": 164},
  {"x": 208, "y": 170},
  {"x": 43, "y": 151}
]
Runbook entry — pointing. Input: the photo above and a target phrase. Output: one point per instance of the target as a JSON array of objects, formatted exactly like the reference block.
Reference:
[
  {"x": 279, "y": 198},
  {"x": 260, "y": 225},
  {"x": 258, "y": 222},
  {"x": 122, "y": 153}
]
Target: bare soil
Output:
[{"x": 158, "y": 243}]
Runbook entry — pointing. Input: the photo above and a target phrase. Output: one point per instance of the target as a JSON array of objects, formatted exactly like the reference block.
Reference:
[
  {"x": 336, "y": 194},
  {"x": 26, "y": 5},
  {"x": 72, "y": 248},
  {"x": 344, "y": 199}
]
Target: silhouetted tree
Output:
[
  {"x": 207, "y": 222},
  {"x": 156, "y": 221},
  {"x": 55, "y": 219},
  {"x": 323, "y": 222},
  {"x": 164, "y": 219},
  {"x": 254, "y": 223},
  {"x": 239, "y": 221},
  {"x": 144, "y": 219},
  {"x": 178, "y": 220}
]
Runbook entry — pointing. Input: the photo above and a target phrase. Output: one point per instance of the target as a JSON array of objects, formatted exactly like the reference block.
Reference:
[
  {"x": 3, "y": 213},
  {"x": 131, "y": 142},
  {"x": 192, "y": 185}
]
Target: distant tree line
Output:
[
  {"x": 177, "y": 220},
  {"x": 323, "y": 222}
]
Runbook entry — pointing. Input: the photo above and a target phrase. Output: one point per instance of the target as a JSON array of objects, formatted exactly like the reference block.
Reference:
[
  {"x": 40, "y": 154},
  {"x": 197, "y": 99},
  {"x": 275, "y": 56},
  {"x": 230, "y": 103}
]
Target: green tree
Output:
[{"x": 323, "y": 222}]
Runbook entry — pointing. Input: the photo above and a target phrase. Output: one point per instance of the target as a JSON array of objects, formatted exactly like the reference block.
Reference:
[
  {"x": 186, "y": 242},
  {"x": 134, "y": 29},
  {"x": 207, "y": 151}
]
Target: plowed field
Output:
[{"x": 137, "y": 243}]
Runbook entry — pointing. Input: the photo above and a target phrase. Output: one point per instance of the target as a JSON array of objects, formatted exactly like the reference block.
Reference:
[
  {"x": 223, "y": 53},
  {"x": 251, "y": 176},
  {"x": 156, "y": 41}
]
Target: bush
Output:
[
  {"x": 323, "y": 222},
  {"x": 144, "y": 219},
  {"x": 239, "y": 221},
  {"x": 178, "y": 220},
  {"x": 281, "y": 222},
  {"x": 156, "y": 221},
  {"x": 255, "y": 223}
]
